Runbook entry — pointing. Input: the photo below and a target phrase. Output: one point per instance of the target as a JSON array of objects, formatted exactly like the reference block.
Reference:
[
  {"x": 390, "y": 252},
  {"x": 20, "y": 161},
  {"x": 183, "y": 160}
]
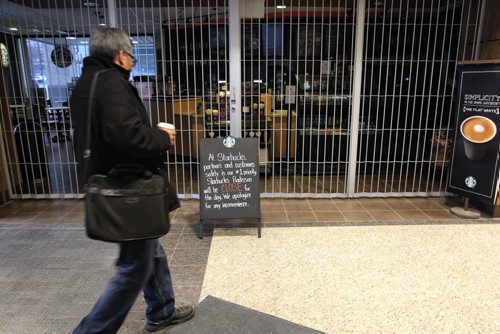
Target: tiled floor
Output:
[{"x": 188, "y": 255}]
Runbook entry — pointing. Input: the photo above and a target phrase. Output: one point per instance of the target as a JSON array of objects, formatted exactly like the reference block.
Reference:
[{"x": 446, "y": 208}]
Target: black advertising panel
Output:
[
  {"x": 475, "y": 161},
  {"x": 229, "y": 178}
]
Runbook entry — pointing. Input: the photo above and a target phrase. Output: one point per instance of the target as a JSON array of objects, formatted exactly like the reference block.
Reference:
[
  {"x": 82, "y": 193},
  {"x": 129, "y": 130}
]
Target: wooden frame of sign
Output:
[{"x": 229, "y": 179}]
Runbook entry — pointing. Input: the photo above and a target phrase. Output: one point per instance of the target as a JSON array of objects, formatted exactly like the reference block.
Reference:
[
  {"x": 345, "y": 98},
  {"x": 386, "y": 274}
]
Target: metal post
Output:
[
  {"x": 477, "y": 51},
  {"x": 356, "y": 98},
  {"x": 112, "y": 13},
  {"x": 235, "y": 67}
]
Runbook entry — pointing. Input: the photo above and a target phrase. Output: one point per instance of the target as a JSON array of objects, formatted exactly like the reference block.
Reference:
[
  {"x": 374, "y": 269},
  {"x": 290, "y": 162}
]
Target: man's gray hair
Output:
[{"x": 107, "y": 42}]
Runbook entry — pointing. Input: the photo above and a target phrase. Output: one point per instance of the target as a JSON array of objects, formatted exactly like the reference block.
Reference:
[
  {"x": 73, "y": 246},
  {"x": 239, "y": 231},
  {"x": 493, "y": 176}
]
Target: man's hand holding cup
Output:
[{"x": 170, "y": 129}]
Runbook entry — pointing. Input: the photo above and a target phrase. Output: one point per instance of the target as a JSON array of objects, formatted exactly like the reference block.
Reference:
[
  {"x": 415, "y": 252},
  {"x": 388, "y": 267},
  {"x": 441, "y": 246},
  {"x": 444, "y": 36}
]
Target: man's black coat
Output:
[{"x": 121, "y": 130}]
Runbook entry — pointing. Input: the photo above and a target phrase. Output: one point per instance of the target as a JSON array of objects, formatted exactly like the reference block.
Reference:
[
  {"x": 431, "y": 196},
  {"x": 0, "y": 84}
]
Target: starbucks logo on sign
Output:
[
  {"x": 61, "y": 56},
  {"x": 470, "y": 181},
  {"x": 228, "y": 141},
  {"x": 5, "y": 55}
]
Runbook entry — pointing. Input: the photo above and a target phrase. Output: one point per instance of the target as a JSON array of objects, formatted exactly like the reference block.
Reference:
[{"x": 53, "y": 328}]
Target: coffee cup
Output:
[
  {"x": 166, "y": 126},
  {"x": 477, "y": 132}
]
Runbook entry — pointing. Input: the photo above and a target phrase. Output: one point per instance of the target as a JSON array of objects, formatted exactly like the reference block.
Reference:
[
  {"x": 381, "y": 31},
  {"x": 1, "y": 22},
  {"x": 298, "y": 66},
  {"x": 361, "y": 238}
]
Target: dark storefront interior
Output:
[{"x": 297, "y": 92}]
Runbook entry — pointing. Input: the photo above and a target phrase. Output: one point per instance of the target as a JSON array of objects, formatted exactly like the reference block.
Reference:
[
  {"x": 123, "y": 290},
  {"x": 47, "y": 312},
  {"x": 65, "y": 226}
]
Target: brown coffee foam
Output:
[{"x": 470, "y": 133}]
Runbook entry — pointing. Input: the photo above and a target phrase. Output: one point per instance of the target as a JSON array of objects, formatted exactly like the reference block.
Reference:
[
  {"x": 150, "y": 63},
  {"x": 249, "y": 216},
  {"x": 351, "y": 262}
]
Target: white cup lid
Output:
[{"x": 164, "y": 125}]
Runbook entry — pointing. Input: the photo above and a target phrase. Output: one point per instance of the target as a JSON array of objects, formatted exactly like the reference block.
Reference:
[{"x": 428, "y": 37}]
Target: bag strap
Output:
[{"x": 90, "y": 107}]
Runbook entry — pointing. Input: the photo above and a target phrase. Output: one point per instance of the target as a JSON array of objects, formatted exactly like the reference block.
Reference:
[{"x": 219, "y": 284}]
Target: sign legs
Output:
[
  {"x": 259, "y": 228},
  {"x": 465, "y": 212}
]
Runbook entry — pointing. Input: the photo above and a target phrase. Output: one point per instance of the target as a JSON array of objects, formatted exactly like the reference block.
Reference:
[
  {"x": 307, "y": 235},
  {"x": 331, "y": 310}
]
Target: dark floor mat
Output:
[{"x": 215, "y": 315}]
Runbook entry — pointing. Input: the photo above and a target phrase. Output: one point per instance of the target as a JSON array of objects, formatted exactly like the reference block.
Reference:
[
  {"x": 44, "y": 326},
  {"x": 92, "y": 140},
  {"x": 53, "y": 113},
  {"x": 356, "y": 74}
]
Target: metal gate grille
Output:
[
  {"x": 409, "y": 66},
  {"x": 298, "y": 96},
  {"x": 194, "y": 94}
]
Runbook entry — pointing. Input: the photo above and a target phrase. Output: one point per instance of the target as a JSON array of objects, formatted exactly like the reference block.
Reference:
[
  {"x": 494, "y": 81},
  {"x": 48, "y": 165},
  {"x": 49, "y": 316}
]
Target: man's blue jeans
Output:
[{"x": 140, "y": 265}]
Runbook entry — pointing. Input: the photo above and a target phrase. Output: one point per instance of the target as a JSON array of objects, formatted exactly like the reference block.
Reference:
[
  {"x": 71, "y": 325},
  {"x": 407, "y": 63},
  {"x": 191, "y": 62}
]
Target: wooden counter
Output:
[
  {"x": 281, "y": 133},
  {"x": 189, "y": 125}
]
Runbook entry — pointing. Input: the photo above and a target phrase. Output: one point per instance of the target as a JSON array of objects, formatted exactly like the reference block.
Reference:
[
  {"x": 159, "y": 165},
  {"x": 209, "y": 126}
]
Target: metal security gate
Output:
[
  {"x": 347, "y": 97},
  {"x": 411, "y": 50}
]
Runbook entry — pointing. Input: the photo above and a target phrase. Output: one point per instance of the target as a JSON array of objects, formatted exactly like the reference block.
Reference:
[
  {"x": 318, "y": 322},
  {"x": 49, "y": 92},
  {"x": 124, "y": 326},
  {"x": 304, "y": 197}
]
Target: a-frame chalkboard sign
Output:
[{"x": 229, "y": 179}]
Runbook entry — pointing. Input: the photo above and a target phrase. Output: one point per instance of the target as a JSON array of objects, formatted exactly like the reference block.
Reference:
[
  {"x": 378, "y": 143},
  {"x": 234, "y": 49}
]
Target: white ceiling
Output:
[{"x": 82, "y": 21}]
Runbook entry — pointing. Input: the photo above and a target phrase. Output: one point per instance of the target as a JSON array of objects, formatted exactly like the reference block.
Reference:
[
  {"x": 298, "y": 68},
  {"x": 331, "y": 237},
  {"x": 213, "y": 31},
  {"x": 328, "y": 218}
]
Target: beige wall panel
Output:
[
  {"x": 493, "y": 50},
  {"x": 493, "y": 26}
]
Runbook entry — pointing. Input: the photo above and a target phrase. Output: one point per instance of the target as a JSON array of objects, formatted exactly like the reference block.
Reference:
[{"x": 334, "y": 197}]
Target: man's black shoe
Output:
[{"x": 181, "y": 314}]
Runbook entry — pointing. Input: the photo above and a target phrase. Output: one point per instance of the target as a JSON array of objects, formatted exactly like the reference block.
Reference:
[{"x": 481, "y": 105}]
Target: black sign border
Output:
[
  {"x": 457, "y": 132},
  {"x": 257, "y": 215}
]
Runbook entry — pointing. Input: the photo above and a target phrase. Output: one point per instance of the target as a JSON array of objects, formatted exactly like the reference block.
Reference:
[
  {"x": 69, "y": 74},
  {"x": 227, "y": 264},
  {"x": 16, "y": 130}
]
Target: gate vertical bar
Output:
[
  {"x": 235, "y": 67},
  {"x": 477, "y": 51},
  {"x": 112, "y": 13},
  {"x": 356, "y": 102}
]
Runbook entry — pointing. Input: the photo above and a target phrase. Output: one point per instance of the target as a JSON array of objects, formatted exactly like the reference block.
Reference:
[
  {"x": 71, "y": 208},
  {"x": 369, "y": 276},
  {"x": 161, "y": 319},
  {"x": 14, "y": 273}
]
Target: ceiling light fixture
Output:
[
  {"x": 102, "y": 24},
  {"x": 281, "y": 6},
  {"x": 90, "y": 4},
  {"x": 13, "y": 29},
  {"x": 70, "y": 37}
]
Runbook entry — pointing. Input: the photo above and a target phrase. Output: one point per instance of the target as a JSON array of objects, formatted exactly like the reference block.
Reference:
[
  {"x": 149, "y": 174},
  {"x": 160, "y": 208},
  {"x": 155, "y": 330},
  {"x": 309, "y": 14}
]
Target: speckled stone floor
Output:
[
  {"x": 364, "y": 279},
  {"x": 358, "y": 265}
]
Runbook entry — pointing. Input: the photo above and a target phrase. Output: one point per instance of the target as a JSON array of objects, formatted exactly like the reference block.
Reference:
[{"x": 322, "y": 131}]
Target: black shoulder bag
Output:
[{"x": 129, "y": 203}]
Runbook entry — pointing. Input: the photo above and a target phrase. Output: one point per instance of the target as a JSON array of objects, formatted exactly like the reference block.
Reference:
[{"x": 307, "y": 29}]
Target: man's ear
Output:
[{"x": 119, "y": 58}]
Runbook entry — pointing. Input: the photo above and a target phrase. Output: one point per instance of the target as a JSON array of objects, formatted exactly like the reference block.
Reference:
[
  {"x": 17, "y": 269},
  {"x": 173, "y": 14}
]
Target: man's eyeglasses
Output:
[{"x": 134, "y": 60}]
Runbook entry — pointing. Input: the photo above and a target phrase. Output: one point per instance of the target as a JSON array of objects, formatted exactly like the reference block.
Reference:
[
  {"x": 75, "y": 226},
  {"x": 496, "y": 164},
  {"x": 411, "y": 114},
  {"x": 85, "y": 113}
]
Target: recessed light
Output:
[
  {"x": 13, "y": 29},
  {"x": 90, "y": 4},
  {"x": 102, "y": 24},
  {"x": 257, "y": 81},
  {"x": 135, "y": 42},
  {"x": 281, "y": 6},
  {"x": 70, "y": 37},
  {"x": 84, "y": 42}
]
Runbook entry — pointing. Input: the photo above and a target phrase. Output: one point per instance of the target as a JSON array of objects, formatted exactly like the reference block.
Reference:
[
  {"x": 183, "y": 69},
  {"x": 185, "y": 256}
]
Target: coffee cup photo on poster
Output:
[{"x": 477, "y": 133}]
